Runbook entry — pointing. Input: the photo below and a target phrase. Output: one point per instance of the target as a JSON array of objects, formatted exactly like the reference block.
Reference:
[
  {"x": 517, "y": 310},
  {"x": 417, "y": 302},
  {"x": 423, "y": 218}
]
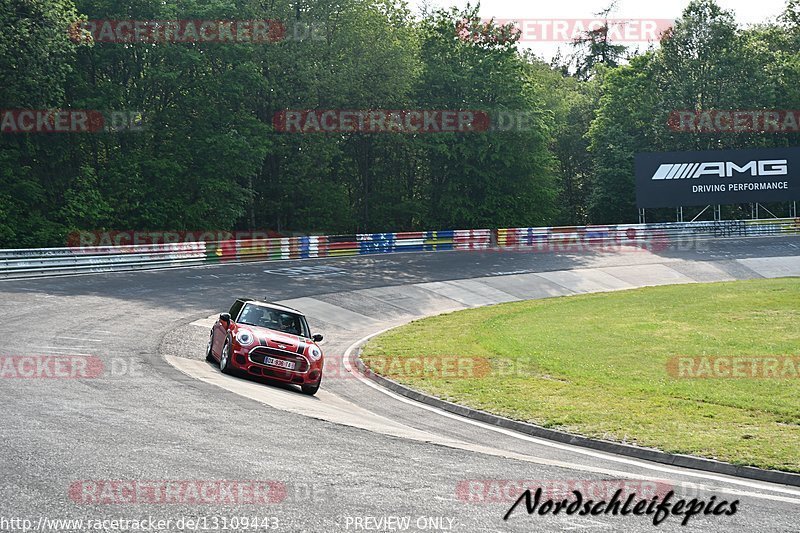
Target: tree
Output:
[
  {"x": 35, "y": 59},
  {"x": 499, "y": 178},
  {"x": 594, "y": 47},
  {"x": 624, "y": 126}
]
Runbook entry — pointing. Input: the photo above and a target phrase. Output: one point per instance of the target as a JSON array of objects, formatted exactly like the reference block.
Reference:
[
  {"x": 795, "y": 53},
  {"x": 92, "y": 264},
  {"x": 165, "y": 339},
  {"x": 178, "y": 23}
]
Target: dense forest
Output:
[{"x": 203, "y": 151}]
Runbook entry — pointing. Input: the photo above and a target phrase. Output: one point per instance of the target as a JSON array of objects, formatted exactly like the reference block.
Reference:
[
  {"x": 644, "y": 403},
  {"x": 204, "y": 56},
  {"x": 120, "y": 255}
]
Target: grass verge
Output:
[{"x": 623, "y": 366}]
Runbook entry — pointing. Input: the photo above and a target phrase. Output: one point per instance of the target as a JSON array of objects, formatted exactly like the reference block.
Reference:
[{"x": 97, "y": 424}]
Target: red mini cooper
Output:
[{"x": 267, "y": 340}]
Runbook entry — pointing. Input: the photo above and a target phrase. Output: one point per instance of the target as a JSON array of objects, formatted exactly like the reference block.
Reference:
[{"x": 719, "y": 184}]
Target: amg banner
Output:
[{"x": 673, "y": 179}]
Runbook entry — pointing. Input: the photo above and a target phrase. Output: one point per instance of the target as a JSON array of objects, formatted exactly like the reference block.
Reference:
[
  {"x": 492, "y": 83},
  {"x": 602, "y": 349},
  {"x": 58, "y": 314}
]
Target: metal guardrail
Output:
[
  {"x": 650, "y": 236},
  {"x": 32, "y": 263}
]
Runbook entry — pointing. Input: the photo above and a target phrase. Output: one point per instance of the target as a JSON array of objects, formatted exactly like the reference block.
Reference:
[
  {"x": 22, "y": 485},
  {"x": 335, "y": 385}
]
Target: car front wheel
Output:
[
  {"x": 225, "y": 359},
  {"x": 311, "y": 390}
]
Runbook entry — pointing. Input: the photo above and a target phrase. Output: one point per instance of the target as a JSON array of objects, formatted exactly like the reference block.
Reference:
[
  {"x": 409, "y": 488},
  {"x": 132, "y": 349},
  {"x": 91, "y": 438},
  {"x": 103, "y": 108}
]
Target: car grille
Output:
[{"x": 258, "y": 354}]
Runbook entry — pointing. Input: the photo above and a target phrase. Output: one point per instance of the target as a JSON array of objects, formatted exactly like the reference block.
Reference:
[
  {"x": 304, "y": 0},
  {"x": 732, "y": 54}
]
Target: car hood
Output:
[{"x": 281, "y": 341}]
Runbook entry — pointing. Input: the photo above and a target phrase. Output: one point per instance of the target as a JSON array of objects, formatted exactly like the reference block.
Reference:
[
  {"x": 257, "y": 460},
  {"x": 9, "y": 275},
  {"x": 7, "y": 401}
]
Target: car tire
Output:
[
  {"x": 311, "y": 390},
  {"x": 225, "y": 359},
  {"x": 209, "y": 355}
]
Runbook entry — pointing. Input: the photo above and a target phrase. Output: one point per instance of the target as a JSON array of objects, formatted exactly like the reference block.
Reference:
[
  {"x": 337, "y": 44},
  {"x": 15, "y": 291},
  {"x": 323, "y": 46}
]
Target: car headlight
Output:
[
  {"x": 315, "y": 353},
  {"x": 244, "y": 337}
]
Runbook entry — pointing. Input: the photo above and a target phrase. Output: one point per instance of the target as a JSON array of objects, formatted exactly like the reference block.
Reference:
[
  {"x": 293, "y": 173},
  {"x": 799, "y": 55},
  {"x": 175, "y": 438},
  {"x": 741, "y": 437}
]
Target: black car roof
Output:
[{"x": 271, "y": 305}]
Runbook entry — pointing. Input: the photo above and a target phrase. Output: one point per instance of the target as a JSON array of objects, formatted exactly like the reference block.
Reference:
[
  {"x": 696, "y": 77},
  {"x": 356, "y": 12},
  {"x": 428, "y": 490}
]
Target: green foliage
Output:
[
  {"x": 624, "y": 126},
  {"x": 705, "y": 62},
  {"x": 594, "y": 48},
  {"x": 605, "y": 365},
  {"x": 207, "y": 156},
  {"x": 503, "y": 178}
]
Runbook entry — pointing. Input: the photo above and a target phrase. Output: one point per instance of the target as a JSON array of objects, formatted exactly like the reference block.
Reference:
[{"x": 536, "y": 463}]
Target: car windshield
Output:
[{"x": 264, "y": 317}]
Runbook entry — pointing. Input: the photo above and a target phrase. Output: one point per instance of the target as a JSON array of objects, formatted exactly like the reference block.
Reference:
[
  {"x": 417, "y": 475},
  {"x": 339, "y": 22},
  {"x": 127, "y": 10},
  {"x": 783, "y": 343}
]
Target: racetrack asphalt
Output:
[{"x": 353, "y": 452}]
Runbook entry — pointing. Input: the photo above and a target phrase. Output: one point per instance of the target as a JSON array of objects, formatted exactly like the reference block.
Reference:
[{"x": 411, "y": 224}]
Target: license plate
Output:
[{"x": 289, "y": 365}]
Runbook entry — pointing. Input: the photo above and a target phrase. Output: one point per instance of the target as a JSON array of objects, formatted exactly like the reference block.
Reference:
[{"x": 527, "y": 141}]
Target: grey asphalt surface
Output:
[{"x": 147, "y": 421}]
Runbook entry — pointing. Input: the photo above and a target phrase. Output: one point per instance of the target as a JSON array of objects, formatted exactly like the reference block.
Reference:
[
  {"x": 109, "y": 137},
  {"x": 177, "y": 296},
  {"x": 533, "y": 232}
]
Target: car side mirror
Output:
[
  {"x": 316, "y": 338},
  {"x": 225, "y": 317}
]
